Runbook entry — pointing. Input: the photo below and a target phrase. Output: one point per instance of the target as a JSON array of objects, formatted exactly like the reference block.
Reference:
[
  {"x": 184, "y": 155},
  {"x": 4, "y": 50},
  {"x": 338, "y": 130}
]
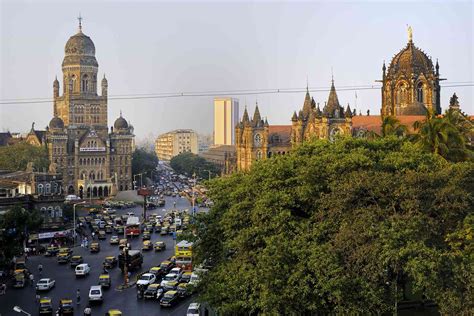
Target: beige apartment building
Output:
[
  {"x": 226, "y": 117},
  {"x": 176, "y": 142}
]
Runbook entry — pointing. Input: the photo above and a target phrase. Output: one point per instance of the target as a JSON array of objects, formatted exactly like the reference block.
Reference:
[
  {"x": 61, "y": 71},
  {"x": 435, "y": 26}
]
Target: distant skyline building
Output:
[
  {"x": 226, "y": 117},
  {"x": 176, "y": 142}
]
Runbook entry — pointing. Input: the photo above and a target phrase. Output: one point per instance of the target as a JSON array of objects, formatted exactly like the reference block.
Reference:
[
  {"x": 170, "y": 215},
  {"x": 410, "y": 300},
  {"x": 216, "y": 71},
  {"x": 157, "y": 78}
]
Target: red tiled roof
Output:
[{"x": 374, "y": 122}]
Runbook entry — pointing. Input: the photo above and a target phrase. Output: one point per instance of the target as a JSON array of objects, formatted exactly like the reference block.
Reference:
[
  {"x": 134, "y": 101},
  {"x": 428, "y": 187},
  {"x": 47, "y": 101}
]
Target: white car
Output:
[
  {"x": 146, "y": 279},
  {"x": 82, "y": 269},
  {"x": 194, "y": 279},
  {"x": 194, "y": 309},
  {"x": 130, "y": 214},
  {"x": 95, "y": 293},
  {"x": 45, "y": 284},
  {"x": 169, "y": 278},
  {"x": 177, "y": 271}
]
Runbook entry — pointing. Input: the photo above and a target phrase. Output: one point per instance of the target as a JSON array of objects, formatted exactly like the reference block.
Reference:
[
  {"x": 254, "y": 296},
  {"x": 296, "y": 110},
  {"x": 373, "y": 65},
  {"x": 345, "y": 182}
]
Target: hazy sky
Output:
[{"x": 152, "y": 47}]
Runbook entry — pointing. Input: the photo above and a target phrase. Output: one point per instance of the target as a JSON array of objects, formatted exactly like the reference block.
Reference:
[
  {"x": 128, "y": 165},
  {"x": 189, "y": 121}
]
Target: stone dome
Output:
[
  {"x": 56, "y": 123},
  {"x": 411, "y": 59},
  {"x": 120, "y": 123},
  {"x": 80, "y": 49},
  {"x": 415, "y": 108}
]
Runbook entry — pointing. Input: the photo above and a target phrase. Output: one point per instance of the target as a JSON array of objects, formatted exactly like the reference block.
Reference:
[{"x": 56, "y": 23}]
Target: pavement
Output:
[{"x": 67, "y": 284}]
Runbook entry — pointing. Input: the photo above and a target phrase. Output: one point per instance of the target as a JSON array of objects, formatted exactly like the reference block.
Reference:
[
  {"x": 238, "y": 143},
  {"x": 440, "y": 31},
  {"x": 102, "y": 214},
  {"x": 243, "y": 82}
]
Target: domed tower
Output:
[
  {"x": 80, "y": 105},
  {"x": 411, "y": 83}
]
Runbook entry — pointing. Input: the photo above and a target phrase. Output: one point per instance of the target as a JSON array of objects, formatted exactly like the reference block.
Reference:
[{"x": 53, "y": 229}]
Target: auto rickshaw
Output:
[
  {"x": 66, "y": 307},
  {"x": 104, "y": 280},
  {"x": 46, "y": 306},
  {"x": 20, "y": 279},
  {"x": 147, "y": 245},
  {"x": 113, "y": 312}
]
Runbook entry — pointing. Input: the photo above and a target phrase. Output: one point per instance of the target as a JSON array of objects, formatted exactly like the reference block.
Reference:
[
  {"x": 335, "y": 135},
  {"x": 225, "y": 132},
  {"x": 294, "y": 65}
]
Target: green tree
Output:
[
  {"x": 350, "y": 227},
  {"x": 17, "y": 157},
  {"x": 14, "y": 224},
  {"x": 391, "y": 127},
  {"x": 144, "y": 161},
  {"x": 189, "y": 163}
]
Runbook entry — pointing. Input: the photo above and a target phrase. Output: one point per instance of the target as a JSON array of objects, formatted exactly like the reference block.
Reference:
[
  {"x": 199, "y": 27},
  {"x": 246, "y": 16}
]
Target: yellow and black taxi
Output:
[
  {"x": 110, "y": 262},
  {"x": 101, "y": 235},
  {"x": 51, "y": 251},
  {"x": 45, "y": 306},
  {"x": 147, "y": 245},
  {"x": 160, "y": 245},
  {"x": 170, "y": 285},
  {"x": 182, "y": 289},
  {"x": 65, "y": 250},
  {"x": 186, "y": 277},
  {"x": 66, "y": 307},
  {"x": 63, "y": 257},
  {"x": 146, "y": 235},
  {"x": 166, "y": 266},
  {"x": 113, "y": 312},
  {"x": 114, "y": 240},
  {"x": 75, "y": 260},
  {"x": 157, "y": 271},
  {"x": 169, "y": 299},
  {"x": 94, "y": 247},
  {"x": 20, "y": 278},
  {"x": 104, "y": 280},
  {"x": 108, "y": 229},
  {"x": 154, "y": 291}
]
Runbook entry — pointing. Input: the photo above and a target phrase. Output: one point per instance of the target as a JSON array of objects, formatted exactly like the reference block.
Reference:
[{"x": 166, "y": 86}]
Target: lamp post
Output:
[
  {"x": 74, "y": 218},
  {"x": 192, "y": 191},
  {"x": 18, "y": 309}
]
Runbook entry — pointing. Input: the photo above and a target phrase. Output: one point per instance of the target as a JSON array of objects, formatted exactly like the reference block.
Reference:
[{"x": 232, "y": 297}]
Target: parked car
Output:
[
  {"x": 82, "y": 269},
  {"x": 45, "y": 284},
  {"x": 95, "y": 293}
]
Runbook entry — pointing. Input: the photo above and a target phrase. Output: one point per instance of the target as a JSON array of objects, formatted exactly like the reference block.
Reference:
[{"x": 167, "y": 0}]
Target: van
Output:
[
  {"x": 82, "y": 269},
  {"x": 95, "y": 293}
]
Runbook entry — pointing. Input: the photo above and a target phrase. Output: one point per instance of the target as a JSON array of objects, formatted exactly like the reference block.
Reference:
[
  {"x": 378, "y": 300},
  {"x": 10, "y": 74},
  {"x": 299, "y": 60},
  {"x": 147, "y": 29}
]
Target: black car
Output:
[
  {"x": 75, "y": 260},
  {"x": 110, "y": 262},
  {"x": 154, "y": 291}
]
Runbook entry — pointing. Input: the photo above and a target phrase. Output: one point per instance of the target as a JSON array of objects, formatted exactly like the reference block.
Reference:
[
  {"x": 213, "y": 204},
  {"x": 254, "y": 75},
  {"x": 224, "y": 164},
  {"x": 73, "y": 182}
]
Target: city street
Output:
[{"x": 67, "y": 284}]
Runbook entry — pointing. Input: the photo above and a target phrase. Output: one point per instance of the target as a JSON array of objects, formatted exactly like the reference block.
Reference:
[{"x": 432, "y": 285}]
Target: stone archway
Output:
[
  {"x": 106, "y": 191},
  {"x": 70, "y": 190},
  {"x": 88, "y": 192},
  {"x": 81, "y": 192},
  {"x": 100, "y": 192},
  {"x": 94, "y": 192}
]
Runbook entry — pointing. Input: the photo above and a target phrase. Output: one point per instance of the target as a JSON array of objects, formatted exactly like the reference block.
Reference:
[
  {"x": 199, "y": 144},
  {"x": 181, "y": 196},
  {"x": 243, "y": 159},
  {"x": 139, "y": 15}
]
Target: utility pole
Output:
[{"x": 192, "y": 191}]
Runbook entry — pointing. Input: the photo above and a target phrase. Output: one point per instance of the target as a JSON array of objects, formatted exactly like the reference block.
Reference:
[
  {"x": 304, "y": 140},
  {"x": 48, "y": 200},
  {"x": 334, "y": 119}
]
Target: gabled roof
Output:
[{"x": 283, "y": 132}]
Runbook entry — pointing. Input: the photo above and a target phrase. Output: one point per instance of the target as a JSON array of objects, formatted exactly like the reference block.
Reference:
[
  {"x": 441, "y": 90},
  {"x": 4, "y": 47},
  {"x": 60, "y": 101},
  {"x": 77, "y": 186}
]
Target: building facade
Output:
[
  {"x": 410, "y": 88},
  {"x": 94, "y": 161},
  {"x": 176, "y": 142},
  {"x": 226, "y": 117}
]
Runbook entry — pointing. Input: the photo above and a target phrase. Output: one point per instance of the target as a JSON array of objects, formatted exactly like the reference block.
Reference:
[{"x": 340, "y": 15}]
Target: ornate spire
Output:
[
  {"x": 410, "y": 34},
  {"x": 79, "y": 18},
  {"x": 256, "y": 115},
  {"x": 245, "y": 117},
  {"x": 266, "y": 122},
  {"x": 333, "y": 102},
  {"x": 294, "y": 118},
  {"x": 348, "y": 111},
  {"x": 318, "y": 111}
]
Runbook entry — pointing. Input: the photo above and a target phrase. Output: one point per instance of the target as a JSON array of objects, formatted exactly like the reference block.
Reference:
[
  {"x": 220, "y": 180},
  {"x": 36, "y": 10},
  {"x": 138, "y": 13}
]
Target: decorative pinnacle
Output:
[
  {"x": 80, "y": 22},
  {"x": 410, "y": 34}
]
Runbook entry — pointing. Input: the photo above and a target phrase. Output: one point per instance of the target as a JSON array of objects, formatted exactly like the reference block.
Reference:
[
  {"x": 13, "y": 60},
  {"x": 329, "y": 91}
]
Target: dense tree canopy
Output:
[
  {"x": 350, "y": 227},
  {"x": 189, "y": 163},
  {"x": 16, "y": 157},
  {"x": 143, "y": 161}
]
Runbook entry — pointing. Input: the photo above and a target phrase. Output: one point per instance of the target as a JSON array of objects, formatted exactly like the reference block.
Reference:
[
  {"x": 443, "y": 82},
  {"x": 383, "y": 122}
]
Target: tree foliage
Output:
[
  {"x": 17, "y": 157},
  {"x": 14, "y": 225},
  {"x": 349, "y": 227},
  {"x": 143, "y": 161},
  {"x": 189, "y": 163}
]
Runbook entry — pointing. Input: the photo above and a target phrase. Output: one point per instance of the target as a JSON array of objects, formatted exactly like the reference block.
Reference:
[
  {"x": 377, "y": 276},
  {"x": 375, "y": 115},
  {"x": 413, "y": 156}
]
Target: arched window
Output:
[
  {"x": 419, "y": 92},
  {"x": 47, "y": 188},
  {"x": 40, "y": 188},
  {"x": 85, "y": 83},
  {"x": 259, "y": 155}
]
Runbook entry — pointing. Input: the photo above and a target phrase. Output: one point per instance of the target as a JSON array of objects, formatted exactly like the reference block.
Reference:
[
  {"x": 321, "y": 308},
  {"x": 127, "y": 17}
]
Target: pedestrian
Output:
[
  {"x": 93, "y": 234},
  {"x": 87, "y": 311},
  {"x": 37, "y": 297},
  {"x": 40, "y": 269},
  {"x": 32, "y": 279},
  {"x": 78, "y": 297},
  {"x": 3, "y": 289}
]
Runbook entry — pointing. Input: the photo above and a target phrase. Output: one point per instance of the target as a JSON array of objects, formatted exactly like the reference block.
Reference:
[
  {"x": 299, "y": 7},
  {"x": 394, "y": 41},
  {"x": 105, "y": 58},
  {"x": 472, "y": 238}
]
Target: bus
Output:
[
  {"x": 184, "y": 255},
  {"x": 132, "y": 228}
]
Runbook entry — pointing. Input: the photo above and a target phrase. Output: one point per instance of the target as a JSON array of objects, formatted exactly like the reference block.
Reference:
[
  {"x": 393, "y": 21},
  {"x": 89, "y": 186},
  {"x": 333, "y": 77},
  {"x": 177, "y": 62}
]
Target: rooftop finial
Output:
[
  {"x": 332, "y": 77},
  {"x": 120, "y": 113},
  {"x": 410, "y": 34},
  {"x": 79, "y": 18},
  {"x": 307, "y": 85}
]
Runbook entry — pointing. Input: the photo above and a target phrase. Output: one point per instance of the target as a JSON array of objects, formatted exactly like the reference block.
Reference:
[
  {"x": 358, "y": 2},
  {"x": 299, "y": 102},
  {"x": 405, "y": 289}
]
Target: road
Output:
[{"x": 67, "y": 284}]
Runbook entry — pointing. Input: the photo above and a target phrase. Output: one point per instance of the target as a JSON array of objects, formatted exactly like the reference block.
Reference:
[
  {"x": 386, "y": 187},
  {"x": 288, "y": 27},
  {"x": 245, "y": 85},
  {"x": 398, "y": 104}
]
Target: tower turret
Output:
[{"x": 105, "y": 86}]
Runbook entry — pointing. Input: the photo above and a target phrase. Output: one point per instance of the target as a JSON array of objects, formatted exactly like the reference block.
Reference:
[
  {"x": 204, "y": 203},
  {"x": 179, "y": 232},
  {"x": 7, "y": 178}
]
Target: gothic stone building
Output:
[
  {"x": 93, "y": 160},
  {"x": 410, "y": 88}
]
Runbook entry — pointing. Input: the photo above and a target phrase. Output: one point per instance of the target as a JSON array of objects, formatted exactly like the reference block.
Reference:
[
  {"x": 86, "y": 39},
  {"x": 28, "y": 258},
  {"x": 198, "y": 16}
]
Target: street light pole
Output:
[
  {"x": 74, "y": 219},
  {"x": 192, "y": 191},
  {"x": 18, "y": 309}
]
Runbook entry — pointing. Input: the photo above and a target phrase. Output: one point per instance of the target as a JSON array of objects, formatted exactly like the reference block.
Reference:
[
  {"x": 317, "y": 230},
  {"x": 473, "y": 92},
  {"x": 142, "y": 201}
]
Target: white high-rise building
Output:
[{"x": 226, "y": 116}]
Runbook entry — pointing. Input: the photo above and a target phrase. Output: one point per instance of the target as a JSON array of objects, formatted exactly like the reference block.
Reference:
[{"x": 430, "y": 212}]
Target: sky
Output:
[{"x": 149, "y": 47}]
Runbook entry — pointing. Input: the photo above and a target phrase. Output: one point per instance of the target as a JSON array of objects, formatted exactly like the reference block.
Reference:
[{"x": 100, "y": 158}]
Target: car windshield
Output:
[
  {"x": 193, "y": 311},
  {"x": 145, "y": 277},
  {"x": 47, "y": 304},
  {"x": 95, "y": 292},
  {"x": 42, "y": 282},
  {"x": 167, "y": 295},
  {"x": 169, "y": 277}
]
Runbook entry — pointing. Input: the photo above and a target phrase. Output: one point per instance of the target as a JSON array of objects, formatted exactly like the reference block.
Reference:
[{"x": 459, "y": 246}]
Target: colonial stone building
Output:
[
  {"x": 93, "y": 160},
  {"x": 410, "y": 88}
]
